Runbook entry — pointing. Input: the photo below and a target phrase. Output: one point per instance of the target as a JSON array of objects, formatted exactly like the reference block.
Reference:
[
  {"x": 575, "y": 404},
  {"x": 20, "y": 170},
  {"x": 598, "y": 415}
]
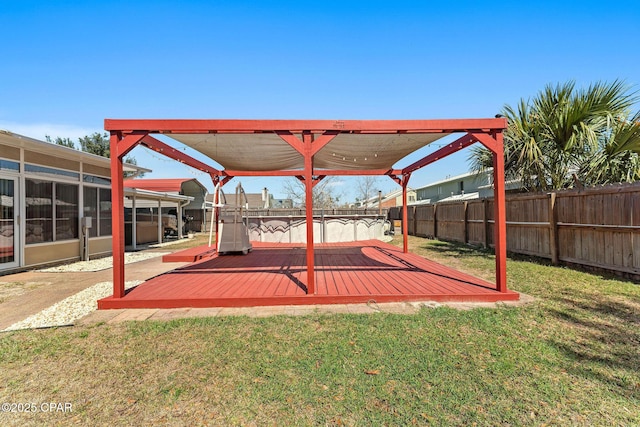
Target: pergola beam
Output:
[
  {"x": 325, "y": 172},
  {"x": 443, "y": 152},
  {"x": 317, "y": 180},
  {"x": 322, "y": 140},
  {"x": 489, "y": 142},
  {"x": 297, "y": 172},
  {"x": 297, "y": 126},
  {"x": 317, "y": 144},
  {"x": 129, "y": 142},
  {"x": 167, "y": 150}
]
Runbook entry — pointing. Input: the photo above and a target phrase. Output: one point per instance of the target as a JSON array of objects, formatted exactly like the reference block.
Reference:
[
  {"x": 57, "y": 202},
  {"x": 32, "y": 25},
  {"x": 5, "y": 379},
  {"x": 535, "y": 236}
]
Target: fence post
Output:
[
  {"x": 466, "y": 223},
  {"x": 435, "y": 220},
  {"x": 485, "y": 219},
  {"x": 415, "y": 220},
  {"x": 553, "y": 229}
]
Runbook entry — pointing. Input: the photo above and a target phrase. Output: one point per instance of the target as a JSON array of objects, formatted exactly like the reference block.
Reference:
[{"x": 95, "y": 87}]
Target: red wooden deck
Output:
[
  {"x": 191, "y": 254},
  {"x": 275, "y": 274}
]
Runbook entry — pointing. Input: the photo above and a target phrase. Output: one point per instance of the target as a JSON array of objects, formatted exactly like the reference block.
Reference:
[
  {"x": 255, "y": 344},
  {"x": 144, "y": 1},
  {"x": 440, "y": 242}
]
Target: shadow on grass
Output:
[
  {"x": 457, "y": 250},
  {"x": 603, "y": 345},
  {"x": 460, "y": 250}
]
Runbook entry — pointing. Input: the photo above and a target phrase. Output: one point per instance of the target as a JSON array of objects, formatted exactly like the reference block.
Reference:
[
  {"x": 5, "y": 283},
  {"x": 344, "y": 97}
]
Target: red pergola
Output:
[{"x": 309, "y": 150}]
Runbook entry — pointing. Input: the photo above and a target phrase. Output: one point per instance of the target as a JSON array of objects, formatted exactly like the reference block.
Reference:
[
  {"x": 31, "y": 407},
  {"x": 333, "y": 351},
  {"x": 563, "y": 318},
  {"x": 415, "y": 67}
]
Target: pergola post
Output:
[
  {"x": 215, "y": 210},
  {"x": 499, "y": 216},
  {"x": 405, "y": 214},
  {"x": 495, "y": 142},
  {"x": 179, "y": 218},
  {"x": 160, "y": 221},
  {"x": 307, "y": 140},
  {"x": 216, "y": 213},
  {"x": 117, "y": 216},
  {"x": 134, "y": 224}
]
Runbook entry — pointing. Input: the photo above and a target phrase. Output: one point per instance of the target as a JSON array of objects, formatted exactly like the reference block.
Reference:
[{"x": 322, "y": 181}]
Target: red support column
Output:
[
  {"x": 405, "y": 214},
  {"x": 215, "y": 211},
  {"x": 307, "y": 139},
  {"x": 117, "y": 216},
  {"x": 500, "y": 224}
]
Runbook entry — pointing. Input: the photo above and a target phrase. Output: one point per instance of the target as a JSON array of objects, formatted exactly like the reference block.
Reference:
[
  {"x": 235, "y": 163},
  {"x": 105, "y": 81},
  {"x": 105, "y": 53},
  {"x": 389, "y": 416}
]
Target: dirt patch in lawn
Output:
[{"x": 10, "y": 290}]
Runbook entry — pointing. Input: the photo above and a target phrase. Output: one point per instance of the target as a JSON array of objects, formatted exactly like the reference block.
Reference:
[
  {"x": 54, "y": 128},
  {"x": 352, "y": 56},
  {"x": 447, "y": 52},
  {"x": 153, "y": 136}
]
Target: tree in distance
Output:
[
  {"x": 65, "y": 142},
  {"x": 367, "y": 188},
  {"x": 326, "y": 194},
  {"x": 97, "y": 143}
]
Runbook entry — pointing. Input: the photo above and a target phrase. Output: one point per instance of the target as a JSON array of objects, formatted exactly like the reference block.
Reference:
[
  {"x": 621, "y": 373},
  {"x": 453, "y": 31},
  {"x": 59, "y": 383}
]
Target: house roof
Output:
[
  {"x": 153, "y": 195},
  {"x": 20, "y": 141},
  {"x": 254, "y": 200},
  {"x": 455, "y": 178},
  {"x": 173, "y": 185},
  {"x": 460, "y": 197}
]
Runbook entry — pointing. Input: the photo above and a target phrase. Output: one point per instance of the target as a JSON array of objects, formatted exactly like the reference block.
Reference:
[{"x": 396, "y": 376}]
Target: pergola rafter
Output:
[{"x": 307, "y": 150}]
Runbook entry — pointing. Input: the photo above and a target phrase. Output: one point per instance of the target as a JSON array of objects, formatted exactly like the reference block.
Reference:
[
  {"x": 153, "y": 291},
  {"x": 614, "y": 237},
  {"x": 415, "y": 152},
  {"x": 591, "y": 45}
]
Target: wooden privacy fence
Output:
[{"x": 596, "y": 227}]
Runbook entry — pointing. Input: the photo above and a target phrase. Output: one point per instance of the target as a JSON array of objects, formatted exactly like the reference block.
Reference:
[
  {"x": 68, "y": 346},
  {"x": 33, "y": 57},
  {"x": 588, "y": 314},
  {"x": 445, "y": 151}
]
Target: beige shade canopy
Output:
[{"x": 269, "y": 152}]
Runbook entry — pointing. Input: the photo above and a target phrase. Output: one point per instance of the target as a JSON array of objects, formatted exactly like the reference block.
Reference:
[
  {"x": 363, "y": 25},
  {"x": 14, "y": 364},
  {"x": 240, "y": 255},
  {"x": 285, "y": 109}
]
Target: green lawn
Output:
[{"x": 570, "y": 358}]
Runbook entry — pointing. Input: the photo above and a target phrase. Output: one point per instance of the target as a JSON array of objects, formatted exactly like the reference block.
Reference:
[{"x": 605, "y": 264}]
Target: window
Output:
[
  {"x": 66, "y": 196},
  {"x": 96, "y": 179},
  {"x": 7, "y": 219},
  {"x": 39, "y": 213},
  {"x": 91, "y": 208},
  {"x": 42, "y": 219},
  {"x": 461, "y": 187},
  {"x": 51, "y": 172},
  {"x": 9, "y": 165},
  {"x": 97, "y": 205},
  {"x": 105, "y": 212}
]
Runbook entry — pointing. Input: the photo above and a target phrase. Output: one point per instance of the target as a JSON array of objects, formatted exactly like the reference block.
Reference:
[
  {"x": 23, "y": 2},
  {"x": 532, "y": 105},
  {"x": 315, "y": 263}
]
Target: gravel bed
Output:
[
  {"x": 67, "y": 311},
  {"x": 168, "y": 243},
  {"x": 101, "y": 263}
]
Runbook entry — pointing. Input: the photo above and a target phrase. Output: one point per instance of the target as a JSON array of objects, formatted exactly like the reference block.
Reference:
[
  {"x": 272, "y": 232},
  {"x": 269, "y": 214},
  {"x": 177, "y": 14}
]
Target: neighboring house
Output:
[
  {"x": 461, "y": 187},
  {"x": 263, "y": 200},
  {"x": 193, "y": 210},
  {"x": 45, "y": 192},
  {"x": 467, "y": 186},
  {"x": 389, "y": 200},
  {"x": 256, "y": 201}
]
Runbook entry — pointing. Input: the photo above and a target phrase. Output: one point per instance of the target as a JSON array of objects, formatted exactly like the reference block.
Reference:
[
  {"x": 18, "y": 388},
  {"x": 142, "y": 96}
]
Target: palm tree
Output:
[
  {"x": 618, "y": 156},
  {"x": 562, "y": 131}
]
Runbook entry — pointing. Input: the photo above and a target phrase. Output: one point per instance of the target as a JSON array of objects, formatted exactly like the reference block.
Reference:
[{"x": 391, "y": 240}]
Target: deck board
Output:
[{"x": 275, "y": 274}]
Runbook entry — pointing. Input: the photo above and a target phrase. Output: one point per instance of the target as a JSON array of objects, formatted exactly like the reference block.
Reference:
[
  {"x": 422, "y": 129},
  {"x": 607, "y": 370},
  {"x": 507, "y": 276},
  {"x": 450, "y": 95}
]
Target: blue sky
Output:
[{"x": 68, "y": 65}]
